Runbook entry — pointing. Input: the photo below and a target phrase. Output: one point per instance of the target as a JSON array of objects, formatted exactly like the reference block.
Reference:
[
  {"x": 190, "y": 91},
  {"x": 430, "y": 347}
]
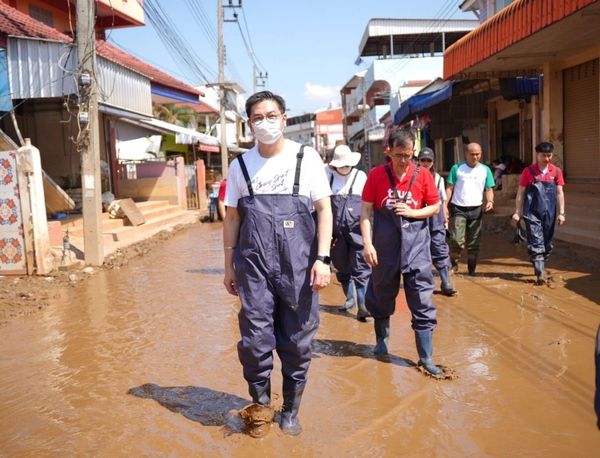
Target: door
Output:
[{"x": 582, "y": 122}]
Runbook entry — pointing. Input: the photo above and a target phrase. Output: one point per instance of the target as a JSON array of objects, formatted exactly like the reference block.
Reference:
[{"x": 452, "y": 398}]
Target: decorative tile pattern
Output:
[{"x": 12, "y": 244}]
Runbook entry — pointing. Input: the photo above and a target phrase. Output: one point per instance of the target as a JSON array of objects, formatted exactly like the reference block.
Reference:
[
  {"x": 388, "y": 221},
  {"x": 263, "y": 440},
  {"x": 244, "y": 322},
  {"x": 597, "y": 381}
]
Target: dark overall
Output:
[
  {"x": 275, "y": 252},
  {"x": 347, "y": 250},
  {"x": 440, "y": 254},
  {"x": 402, "y": 247},
  {"x": 539, "y": 213}
]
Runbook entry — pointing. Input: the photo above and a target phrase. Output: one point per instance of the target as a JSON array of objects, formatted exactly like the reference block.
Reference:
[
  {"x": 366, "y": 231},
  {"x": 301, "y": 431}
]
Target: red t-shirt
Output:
[
  {"x": 527, "y": 179},
  {"x": 222, "y": 189},
  {"x": 378, "y": 192}
]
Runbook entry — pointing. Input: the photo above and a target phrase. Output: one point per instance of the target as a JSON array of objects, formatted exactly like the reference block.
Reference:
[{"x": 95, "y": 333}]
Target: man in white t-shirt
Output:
[
  {"x": 466, "y": 185},
  {"x": 276, "y": 257}
]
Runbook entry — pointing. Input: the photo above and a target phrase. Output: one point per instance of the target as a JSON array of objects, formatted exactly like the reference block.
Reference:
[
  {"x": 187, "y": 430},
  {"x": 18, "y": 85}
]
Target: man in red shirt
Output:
[
  {"x": 400, "y": 196},
  {"x": 539, "y": 196}
]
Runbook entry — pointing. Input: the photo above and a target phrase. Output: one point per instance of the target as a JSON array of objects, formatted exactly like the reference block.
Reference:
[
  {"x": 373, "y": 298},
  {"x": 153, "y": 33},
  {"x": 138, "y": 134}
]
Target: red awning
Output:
[
  {"x": 515, "y": 23},
  {"x": 208, "y": 148}
]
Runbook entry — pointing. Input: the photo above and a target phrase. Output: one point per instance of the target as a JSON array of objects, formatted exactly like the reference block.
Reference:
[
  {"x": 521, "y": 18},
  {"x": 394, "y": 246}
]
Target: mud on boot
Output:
[
  {"x": 348, "y": 289},
  {"x": 540, "y": 272},
  {"x": 424, "y": 341},
  {"x": 257, "y": 419},
  {"x": 288, "y": 421},
  {"x": 447, "y": 288},
  {"x": 472, "y": 263},
  {"x": 362, "y": 313},
  {"x": 382, "y": 334}
]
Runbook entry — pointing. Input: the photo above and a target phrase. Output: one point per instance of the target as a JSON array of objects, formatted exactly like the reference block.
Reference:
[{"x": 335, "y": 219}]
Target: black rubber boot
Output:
[
  {"x": 363, "y": 313},
  {"x": 447, "y": 288},
  {"x": 382, "y": 334},
  {"x": 260, "y": 392},
  {"x": 292, "y": 395},
  {"x": 472, "y": 263},
  {"x": 540, "y": 272},
  {"x": 348, "y": 289},
  {"x": 424, "y": 343}
]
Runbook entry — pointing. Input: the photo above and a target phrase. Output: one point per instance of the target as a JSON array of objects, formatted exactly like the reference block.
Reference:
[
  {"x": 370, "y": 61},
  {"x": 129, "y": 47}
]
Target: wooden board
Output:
[
  {"x": 132, "y": 212},
  {"x": 57, "y": 200}
]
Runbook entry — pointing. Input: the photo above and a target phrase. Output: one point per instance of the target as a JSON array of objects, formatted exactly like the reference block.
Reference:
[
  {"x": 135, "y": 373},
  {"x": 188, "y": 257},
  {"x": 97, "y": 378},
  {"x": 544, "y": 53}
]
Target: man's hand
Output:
[
  {"x": 489, "y": 205},
  {"x": 515, "y": 219},
  {"x": 320, "y": 275},
  {"x": 402, "y": 209},
  {"x": 370, "y": 254},
  {"x": 561, "y": 220},
  {"x": 230, "y": 281}
]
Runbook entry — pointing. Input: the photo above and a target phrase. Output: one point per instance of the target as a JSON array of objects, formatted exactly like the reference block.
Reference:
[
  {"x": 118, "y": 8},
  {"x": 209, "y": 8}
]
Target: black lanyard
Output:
[{"x": 388, "y": 170}]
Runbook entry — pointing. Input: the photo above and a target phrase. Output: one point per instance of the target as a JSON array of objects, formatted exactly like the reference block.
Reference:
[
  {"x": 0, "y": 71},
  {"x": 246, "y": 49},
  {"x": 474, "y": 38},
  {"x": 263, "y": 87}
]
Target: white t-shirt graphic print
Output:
[{"x": 275, "y": 175}]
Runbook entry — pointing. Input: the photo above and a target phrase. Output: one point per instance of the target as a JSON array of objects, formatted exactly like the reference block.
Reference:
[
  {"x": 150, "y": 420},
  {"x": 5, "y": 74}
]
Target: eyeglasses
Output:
[
  {"x": 547, "y": 154},
  {"x": 403, "y": 156},
  {"x": 425, "y": 160},
  {"x": 271, "y": 118}
]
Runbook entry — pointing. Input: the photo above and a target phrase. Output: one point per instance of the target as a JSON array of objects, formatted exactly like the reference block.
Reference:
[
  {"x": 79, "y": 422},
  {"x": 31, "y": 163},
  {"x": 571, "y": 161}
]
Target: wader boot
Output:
[
  {"x": 348, "y": 289},
  {"x": 538, "y": 267},
  {"x": 447, "y": 288},
  {"x": 292, "y": 395},
  {"x": 453, "y": 264},
  {"x": 424, "y": 343},
  {"x": 472, "y": 263},
  {"x": 363, "y": 313},
  {"x": 261, "y": 392},
  {"x": 382, "y": 334}
]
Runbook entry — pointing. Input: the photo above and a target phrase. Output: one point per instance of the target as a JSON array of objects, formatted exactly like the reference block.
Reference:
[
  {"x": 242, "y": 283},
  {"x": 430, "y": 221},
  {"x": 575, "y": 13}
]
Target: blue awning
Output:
[
  {"x": 422, "y": 101},
  {"x": 519, "y": 87},
  {"x": 174, "y": 94}
]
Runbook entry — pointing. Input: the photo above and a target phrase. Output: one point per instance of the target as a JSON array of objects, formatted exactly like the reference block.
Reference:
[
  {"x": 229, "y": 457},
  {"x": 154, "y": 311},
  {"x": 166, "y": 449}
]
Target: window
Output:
[{"x": 41, "y": 14}]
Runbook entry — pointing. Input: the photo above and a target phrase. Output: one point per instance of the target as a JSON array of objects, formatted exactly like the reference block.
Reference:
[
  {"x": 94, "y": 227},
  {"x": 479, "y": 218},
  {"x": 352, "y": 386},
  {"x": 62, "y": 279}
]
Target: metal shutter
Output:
[{"x": 582, "y": 121}]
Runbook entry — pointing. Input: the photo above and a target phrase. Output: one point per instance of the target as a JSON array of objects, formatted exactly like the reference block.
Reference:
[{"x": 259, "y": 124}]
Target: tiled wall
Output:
[{"x": 12, "y": 246}]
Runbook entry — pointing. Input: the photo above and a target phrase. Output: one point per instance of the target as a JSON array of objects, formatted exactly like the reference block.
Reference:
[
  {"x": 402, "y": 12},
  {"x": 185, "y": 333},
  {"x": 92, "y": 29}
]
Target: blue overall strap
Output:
[
  {"x": 388, "y": 170},
  {"x": 331, "y": 181},
  {"x": 353, "y": 180},
  {"x": 246, "y": 176},
  {"x": 299, "y": 157},
  {"x": 532, "y": 172}
]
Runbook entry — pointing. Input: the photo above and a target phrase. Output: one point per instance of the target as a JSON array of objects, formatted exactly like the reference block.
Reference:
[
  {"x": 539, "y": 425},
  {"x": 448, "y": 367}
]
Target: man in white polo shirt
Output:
[{"x": 466, "y": 185}]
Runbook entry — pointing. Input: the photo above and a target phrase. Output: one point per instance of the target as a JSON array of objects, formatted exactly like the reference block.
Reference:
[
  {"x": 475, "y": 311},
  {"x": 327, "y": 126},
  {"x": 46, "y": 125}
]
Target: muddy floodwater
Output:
[{"x": 142, "y": 361}]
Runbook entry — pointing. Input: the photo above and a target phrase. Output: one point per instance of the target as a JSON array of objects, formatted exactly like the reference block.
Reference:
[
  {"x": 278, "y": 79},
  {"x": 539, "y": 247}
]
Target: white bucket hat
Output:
[{"x": 343, "y": 157}]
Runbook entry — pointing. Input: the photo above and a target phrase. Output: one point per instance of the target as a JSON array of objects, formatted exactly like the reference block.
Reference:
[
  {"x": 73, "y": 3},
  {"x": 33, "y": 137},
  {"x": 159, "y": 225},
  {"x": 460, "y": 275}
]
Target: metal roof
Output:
[{"x": 412, "y": 36}]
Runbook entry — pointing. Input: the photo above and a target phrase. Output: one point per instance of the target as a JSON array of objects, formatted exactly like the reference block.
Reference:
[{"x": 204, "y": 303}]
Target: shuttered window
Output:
[{"x": 582, "y": 121}]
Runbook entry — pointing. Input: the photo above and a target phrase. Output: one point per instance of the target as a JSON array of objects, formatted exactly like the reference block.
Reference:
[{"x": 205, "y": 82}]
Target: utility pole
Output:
[
  {"x": 88, "y": 140},
  {"x": 221, "y": 56}
]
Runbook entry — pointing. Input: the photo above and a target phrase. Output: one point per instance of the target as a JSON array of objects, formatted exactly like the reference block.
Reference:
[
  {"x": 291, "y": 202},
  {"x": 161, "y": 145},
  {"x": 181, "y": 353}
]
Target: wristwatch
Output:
[{"x": 324, "y": 259}]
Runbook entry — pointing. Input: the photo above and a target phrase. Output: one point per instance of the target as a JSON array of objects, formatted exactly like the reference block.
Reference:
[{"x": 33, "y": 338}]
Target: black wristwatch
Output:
[{"x": 324, "y": 259}]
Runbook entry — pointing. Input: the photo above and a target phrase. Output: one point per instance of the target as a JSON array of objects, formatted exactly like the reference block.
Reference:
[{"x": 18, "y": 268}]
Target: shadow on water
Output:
[
  {"x": 344, "y": 348},
  {"x": 334, "y": 310},
  {"x": 203, "y": 405}
]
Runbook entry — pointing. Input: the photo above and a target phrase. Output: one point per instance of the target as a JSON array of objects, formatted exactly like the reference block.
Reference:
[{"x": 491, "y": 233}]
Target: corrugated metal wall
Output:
[{"x": 43, "y": 69}]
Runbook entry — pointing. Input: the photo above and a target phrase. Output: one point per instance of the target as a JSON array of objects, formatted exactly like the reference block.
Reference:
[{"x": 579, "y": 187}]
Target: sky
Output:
[{"x": 308, "y": 47}]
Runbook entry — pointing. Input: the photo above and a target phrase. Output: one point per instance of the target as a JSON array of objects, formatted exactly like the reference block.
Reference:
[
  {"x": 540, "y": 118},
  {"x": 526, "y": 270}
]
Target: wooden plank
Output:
[
  {"x": 57, "y": 200},
  {"x": 132, "y": 212}
]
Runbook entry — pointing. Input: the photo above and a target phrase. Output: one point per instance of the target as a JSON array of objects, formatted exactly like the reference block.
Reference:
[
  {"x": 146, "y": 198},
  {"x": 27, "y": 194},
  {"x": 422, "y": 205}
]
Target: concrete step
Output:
[
  {"x": 570, "y": 233},
  {"x": 149, "y": 209},
  {"x": 152, "y": 225}
]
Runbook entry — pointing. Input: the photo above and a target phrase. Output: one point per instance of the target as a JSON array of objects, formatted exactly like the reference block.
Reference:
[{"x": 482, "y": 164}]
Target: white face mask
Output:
[
  {"x": 268, "y": 133},
  {"x": 344, "y": 170}
]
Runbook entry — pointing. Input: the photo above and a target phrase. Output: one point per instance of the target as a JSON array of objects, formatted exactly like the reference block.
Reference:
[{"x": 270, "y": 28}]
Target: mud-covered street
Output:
[{"x": 142, "y": 361}]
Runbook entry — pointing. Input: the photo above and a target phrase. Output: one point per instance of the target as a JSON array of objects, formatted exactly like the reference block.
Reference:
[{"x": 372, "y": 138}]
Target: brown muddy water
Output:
[{"x": 142, "y": 361}]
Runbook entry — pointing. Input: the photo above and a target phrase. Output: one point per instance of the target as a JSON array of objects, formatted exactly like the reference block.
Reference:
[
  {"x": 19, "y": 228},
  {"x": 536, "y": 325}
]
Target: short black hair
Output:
[
  {"x": 261, "y": 97},
  {"x": 544, "y": 147},
  {"x": 400, "y": 136}
]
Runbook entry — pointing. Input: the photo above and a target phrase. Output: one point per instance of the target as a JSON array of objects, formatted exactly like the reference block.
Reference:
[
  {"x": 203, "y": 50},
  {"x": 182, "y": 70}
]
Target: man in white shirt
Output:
[
  {"x": 466, "y": 184},
  {"x": 276, "y": 257}
]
